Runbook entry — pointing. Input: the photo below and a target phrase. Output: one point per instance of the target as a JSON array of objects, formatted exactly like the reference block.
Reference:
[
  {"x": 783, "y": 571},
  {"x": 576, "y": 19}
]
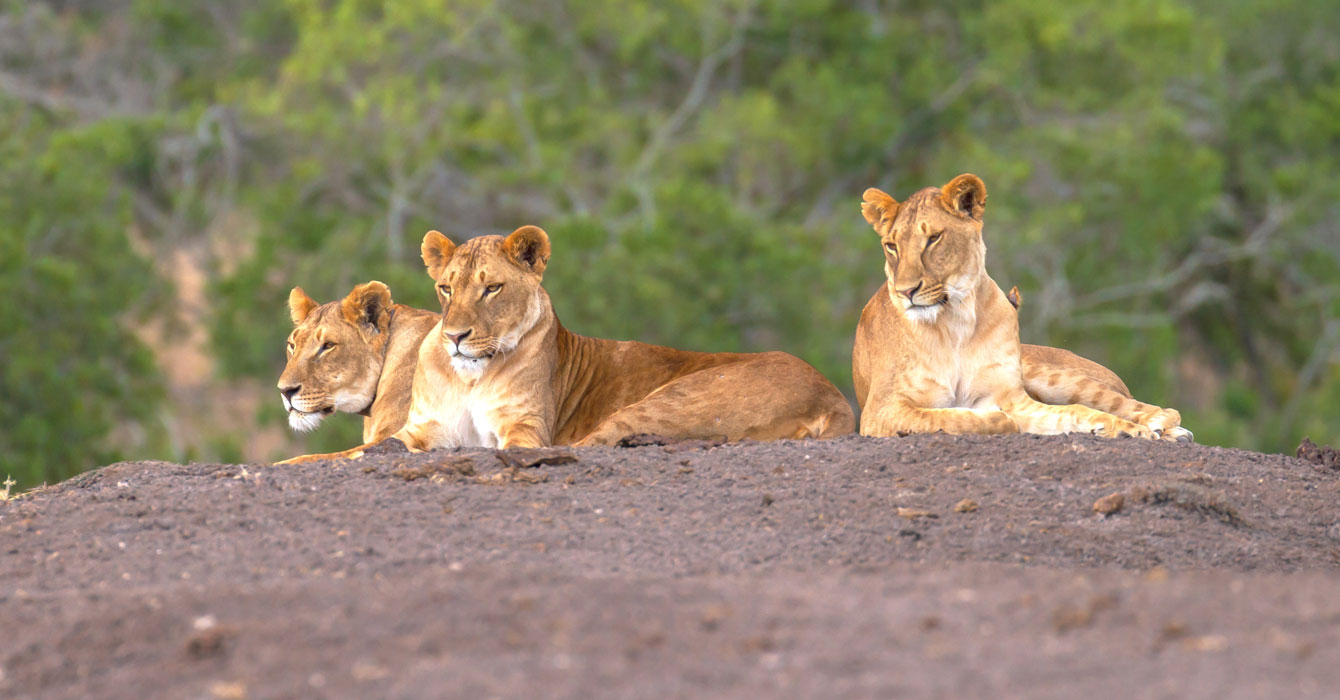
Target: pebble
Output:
[{"x": 1109, "y": 504}]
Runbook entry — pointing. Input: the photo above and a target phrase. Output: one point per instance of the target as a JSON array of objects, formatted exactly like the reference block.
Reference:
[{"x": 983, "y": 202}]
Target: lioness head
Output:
[
  {"x": 335, "y": 354},
  {"x": 490, "y": 292},
  {"x": 933, "y": 250}
]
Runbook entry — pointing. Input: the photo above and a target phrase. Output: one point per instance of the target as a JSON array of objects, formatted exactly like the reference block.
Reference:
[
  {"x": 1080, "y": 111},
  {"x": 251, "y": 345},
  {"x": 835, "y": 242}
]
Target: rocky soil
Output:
[{"x": 927, "y": 566}]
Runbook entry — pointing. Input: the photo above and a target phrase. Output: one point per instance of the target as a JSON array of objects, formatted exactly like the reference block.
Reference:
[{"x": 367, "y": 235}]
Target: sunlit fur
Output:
[
  {"x": 938, "y": 347},
  {"x": 518, "y": 378},
  {"x": 368, "y": 370},
  {"x": 303, "y": 422}
]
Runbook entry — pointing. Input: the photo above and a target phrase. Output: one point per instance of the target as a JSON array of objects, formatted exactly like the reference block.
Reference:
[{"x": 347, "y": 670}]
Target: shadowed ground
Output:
[{"x": 851, "y": 567}]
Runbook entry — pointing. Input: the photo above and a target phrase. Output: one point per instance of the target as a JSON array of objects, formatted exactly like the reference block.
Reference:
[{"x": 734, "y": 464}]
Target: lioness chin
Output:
[
  {"x": 937, "y": 347},
  {"x": 499, "y": 370}
]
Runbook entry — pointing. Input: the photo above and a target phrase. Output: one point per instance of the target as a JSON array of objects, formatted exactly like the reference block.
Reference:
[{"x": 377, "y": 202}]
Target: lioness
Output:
[
  {"x": 499, "y": 370},
  {"x": 937, "y": 347},
  {"x": 356, "y": 355}
]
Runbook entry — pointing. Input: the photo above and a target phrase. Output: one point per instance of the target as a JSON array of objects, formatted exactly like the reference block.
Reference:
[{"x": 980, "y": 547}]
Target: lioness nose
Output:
[
  {"x": 911, "y": 291},
  {"x": 458, "y": 337},
  {"x": 290, "y": 391}
]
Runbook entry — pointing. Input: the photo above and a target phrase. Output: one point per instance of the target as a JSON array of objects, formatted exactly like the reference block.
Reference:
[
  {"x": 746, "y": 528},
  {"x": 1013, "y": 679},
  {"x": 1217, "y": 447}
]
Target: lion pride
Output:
[
  {"x": 500, "y": 370},
  {"x": 937, "y": 347}
]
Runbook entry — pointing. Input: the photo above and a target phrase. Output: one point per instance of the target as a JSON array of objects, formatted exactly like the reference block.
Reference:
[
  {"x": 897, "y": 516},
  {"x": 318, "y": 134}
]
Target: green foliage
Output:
[
  {"x": 1159, "y": 172},
  {"x": 72, "y": 373}
]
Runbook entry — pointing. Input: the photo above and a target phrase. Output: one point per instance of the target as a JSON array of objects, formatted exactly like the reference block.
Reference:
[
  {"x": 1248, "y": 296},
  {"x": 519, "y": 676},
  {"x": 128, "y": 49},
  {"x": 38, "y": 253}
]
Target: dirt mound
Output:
[
  {"x": 1323, "y": 455},
  {"x": 932, "y": 565}
]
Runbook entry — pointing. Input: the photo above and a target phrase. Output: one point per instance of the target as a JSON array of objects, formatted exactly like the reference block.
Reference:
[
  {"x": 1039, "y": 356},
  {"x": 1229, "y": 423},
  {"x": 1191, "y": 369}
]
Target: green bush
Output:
[{"x": 1159, "y": 171}]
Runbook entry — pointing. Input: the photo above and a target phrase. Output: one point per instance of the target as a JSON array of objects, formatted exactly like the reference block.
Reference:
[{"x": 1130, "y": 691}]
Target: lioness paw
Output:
[
  {"x": 1123, "y": 428},
  {"x": 1176, "y": 434},
  {"x": 1163, "y": 419}
]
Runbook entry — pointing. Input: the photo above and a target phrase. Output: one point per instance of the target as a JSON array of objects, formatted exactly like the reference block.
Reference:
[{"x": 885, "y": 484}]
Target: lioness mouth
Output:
[
  {"x": 941, "y": 302},
  {"x": 307, "y": 421},
  {"x": 319, "y": 412}
]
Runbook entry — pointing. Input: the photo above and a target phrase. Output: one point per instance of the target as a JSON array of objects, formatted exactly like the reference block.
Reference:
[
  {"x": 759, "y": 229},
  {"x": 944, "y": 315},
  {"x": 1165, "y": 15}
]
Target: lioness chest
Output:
[
  {"x": 958, "y": 382},
  {"x": 454, "y": 414},
  {"x": 963, "y": 371}
]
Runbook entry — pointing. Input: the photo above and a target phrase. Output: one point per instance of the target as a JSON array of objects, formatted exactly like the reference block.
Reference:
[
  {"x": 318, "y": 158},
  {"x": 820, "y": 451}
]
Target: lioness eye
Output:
[
  {"x": 326, "y": 346},
  {"x": 934, "y": 239},
  {"x": 446, "y": 291},
  {"x": 290, "y": 347},
  {"x": 492, "y": 288},
  {"x": 891, "y": 247}
]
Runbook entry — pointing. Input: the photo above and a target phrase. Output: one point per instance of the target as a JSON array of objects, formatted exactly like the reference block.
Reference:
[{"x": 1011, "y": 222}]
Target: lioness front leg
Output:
[
  {"x": 901, "y": 418},
  {"x": 352, "y": 453},
  {"x": 522, "y": 434},
  {"x": 1166, "y": 423},
  {"x": 405, "y": 437},
  {"x": 1059, "y": 377},
  {"x": 1033, "y": 416}
]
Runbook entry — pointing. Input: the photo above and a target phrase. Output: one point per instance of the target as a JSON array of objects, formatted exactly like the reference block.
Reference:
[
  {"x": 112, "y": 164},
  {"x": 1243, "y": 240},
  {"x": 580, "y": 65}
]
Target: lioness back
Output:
[{"x": 621, "y": 374}]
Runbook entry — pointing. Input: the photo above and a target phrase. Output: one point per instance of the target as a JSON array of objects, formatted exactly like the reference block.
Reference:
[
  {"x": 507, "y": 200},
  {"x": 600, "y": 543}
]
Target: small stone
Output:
[
  {"x": 966, "y": 505},
  {"x": 527, "y": 457},
  {"x": 222, "y": 690},
  {"x": 1320, "y": 455},
  {"x": 388, "y": 446},
  {"x": 914, "y": 513},
  {"x": 528, "y": 477},
  {"x": 209, "y": 643},
  {"x": 1157, "y": 574},
  {"x": 1208, "y": 643},
  {"x": 643, "y": 440},
  {"x": 1109, "y": 504}
]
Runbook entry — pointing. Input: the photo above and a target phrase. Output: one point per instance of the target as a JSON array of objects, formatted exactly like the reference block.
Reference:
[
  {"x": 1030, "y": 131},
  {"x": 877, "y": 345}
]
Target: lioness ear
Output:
[
  {"x": 965, "y": 195},
  {"x": 436, "y": 252},
  {"x": 877, "y": 206},
  {"x": 299, "y": 305},
  {"x": 528, "y": 246},
  {"x": 368, "y": 303}
]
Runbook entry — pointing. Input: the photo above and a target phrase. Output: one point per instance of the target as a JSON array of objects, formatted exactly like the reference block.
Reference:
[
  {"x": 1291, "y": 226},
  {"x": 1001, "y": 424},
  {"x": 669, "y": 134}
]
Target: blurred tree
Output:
[
  {"x": 1159, "y": 169},
  {"x": 78, "y": 385}
]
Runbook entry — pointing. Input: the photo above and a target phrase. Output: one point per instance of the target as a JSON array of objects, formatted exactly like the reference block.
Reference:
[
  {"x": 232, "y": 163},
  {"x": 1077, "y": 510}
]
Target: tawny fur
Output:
[
  {"x": 937, "y": 347},
  {"x": 369, "y": 367},
  {"x": 499, "y": 370}
]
